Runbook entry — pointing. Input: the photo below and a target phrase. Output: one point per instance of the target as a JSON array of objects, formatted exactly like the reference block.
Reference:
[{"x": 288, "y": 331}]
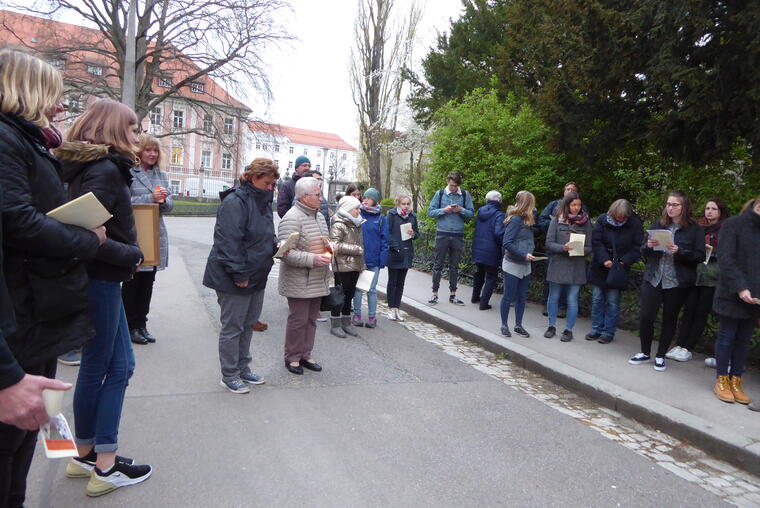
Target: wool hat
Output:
[
  {"x": 348, "y": 203},
  {"x": 372, "y": 194},
  {"x": 300, "y": 160}
]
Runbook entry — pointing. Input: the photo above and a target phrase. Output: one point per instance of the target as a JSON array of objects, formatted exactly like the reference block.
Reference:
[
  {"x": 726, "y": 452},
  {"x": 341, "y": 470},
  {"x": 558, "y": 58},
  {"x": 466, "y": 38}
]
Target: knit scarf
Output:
[
  {"x": 712, "y": 231},
  {"x": 374, "y": 210},
  {"x": 613, "y": 222},
  {"x": 356, "y": 220},
  {"x": 402, "y": 212},
  {"x": 579, "y": 219},
  {"x": 53, "y": 137}
]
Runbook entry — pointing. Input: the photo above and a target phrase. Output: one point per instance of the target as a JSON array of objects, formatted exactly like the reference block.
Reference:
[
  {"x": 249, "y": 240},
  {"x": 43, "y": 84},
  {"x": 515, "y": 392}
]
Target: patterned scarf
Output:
[
  {"x": 402, "y": 212},
  {"x": 579, "y": 219},
  {"x": 374, "y": 210},
  {"x": 613, "y": 222}
]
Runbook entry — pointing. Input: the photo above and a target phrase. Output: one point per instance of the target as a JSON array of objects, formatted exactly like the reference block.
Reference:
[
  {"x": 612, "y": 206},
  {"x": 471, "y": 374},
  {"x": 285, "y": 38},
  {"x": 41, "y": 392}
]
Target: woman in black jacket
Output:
[
  {"x": 43, "y": 271},
  {"x": 670, "y": 271},
  {"x": 238, "y": 267},
  {"x": 617, "y": 238},
  {"x": 97, "y": 158},
  {"x": 737, "y": 300},
  {"x": 400, "y": 251}
]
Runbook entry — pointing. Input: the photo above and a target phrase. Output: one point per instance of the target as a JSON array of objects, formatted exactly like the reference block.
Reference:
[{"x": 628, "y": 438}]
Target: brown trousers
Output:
[{"x": 301, "y": 328}]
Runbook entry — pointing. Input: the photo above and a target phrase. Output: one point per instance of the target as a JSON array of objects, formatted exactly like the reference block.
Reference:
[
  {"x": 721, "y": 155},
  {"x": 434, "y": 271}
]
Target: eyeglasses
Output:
[{"x": 672, "y": 205}]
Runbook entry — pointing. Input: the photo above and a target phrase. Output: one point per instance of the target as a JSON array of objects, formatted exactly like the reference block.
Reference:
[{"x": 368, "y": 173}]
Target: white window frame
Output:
[
  {"x": 226, "y": 161},
  {"x": 178, "y": 119},
  {"x": 197, "y": 87}
]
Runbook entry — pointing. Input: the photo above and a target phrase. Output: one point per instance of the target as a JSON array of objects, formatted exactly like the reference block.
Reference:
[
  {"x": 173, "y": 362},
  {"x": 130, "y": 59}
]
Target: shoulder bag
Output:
[{"x": 618, "y": 275}]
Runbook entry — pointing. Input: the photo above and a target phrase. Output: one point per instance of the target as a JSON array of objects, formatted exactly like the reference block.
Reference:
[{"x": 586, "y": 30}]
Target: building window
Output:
[
  {"x": 344, "y": 156},
  {"x": 276, "y": 148},
  {"x": 290, "y": 149},
  {"x": 177, "y": 155},
  {"x": 290, "y": 165},
  {"x": 206, "y": 159},
  {"x": 317, "y": 167},
  {"x": 265, "y": 147},
  {"x": 156, "y": 116},
  {"x": 319, "y": 153},
  {"x": 228, "y": 125},
  {"x": 306, "y": 151},
  {"x": 75, "y": 104},
  {"x": 58, "y": 63},
  {"x": 94, "y": 70},
  {"x": 165, "y": 82},
  {"x": 226, "y": 161},
  {"x": 179, "y": 119},
  {"x": 174, "y": 187},
  {"x": 258, "y": 146},
  {"x": 197, "y": 87},
  {"x": 208, "y": 124}
]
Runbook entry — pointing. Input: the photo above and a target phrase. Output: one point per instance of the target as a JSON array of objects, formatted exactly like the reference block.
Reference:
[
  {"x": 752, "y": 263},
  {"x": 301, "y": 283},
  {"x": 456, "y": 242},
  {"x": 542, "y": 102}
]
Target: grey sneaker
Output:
[
  {"x": 710, "y": 362},
  {"x": 252, "y": 379},
  {"x": 235, "y": 386}
]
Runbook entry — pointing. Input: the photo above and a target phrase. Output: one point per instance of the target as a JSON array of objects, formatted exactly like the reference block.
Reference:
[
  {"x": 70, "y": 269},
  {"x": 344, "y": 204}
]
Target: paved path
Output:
[{"x": 395, "y": 419}]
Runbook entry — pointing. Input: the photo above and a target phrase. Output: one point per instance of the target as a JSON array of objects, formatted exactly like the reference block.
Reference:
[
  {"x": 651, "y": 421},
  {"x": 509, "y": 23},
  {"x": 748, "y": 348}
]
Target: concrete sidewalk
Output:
[{"x": 678, "y": 401}]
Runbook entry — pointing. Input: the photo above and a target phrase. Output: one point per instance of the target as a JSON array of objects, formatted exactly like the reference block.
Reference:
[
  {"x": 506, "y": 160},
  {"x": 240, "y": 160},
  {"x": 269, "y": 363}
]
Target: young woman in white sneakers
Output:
[
  {"x": 400, "y": 252},
  {"x": 98, "y": 157},
  {"x": 671, "y": 271}
]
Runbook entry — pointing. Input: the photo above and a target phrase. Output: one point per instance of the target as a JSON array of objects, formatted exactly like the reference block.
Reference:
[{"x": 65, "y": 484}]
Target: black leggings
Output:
[
  {"x": 396, "y": 278},
  {"x": 348, "y": 281},
  {"x": 136, "y": 295},
  {"x": 651, "y": 298},
  {"x": 695, "y": 313}
]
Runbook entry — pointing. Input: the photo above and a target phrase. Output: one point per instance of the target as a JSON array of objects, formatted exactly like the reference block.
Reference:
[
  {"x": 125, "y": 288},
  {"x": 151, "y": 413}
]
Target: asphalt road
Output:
[{"x": 391, "y": 421}]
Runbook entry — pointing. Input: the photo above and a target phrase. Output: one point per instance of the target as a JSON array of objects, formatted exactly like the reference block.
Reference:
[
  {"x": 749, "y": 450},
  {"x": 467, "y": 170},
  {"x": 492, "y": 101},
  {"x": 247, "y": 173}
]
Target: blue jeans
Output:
[
  {"x": 371, "y": 295},
  {"x": 732, "y": 345},
  {"x": 571, "y": 293},
  {"x": 107, "y": 364},
  {"x": 514, "y": 289},
  {"x": 605, "y": 310}
]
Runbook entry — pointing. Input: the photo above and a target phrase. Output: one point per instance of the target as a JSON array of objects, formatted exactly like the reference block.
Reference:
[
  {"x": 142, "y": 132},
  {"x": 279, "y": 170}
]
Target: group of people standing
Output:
[
  {"x": 706, "y": 266},
  {"x": 61, "y": 285}
]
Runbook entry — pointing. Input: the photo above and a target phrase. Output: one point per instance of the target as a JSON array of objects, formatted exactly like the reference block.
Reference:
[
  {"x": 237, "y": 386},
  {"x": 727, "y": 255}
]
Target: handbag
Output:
[
  {"x": 618, "y": 275},
  {"x": 333, "y": 299}
]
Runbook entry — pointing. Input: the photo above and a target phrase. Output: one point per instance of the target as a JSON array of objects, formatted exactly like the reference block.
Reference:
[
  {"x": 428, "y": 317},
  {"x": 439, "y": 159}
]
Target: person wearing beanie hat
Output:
[
  {"x": 287, "y": 192},
  {"x": 346, "y": 235},
  {"x": 375, "y": 235}
]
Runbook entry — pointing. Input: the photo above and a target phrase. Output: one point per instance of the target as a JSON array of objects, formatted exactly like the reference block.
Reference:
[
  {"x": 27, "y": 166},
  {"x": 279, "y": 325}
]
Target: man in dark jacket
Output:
[
  {"x": 288, "y": 190},
  {"x": 486, "y": 249}
]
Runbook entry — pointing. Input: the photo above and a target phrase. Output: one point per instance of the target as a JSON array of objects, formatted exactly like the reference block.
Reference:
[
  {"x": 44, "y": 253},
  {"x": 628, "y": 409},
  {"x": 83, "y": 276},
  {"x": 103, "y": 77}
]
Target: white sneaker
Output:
[
  {"x": 673, "y": 353},
  {"x": 684, "y": 355},
  {"x": 322, "y": 320},
  {"x": 120, "y": 475},
  {"x": 399, "y": 317},
  {"x": 710, "y": 362},
  {"x": 392, "y": 315}
]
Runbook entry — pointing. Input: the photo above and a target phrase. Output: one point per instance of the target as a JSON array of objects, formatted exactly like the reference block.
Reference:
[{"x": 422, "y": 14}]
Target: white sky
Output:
[{"x": 310, "y": 77}]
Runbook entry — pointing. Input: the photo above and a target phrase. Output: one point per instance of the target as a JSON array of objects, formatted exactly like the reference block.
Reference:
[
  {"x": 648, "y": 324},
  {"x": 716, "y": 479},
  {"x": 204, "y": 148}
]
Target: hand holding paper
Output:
[
  {"x": 576, "y": 243},
  {"x": 663, "y": 237},
  {"x": 407, "y": 232}
]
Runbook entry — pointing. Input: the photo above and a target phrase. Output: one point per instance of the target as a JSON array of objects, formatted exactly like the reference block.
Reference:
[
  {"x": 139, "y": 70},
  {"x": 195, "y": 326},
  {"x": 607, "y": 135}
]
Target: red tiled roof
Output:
[
  {"x": 21, "y": 30},
  {"x": 302, "y": 136}
]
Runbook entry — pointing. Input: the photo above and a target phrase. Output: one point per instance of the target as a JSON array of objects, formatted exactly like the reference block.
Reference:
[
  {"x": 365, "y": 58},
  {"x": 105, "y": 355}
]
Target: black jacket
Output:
[
  {"x": 628, "y": 240},
  {"x": 400, "y": 253},
  {"x": 691, "y": 252},
  {"x": 287, "y": 194},
  {"x": 739, "y": 262},
  {"x": 244, "y": 241},
  {"x": 45, "y": 276},
  {"x": 106, "y": 173}
]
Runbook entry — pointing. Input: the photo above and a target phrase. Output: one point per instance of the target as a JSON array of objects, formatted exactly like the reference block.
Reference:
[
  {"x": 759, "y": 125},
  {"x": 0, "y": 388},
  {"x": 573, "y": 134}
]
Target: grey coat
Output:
[
  {"x": 143, "y": 184},
  {"x": 563, "y": 268},
  {"x": 739, "y": 266}
]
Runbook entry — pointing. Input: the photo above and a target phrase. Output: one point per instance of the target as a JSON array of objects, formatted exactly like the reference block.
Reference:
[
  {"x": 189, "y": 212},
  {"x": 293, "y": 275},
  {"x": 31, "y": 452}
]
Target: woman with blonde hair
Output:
[
  {"x": 238, "y": 267},
  {"x": 44, "y": 281},
  {"x": 518, "y": 248},
  {"x": 98, "y": 157},
  {"x": 149, "y": 185}
]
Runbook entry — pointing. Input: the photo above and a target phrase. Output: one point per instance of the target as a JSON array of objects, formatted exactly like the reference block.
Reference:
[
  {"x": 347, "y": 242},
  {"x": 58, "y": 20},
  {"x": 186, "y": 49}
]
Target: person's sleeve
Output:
[
  {"x": 498, "y": 228},
  {"x": 647, "y": 251},
  {"x": 469, "y": 208},
  {"x": 601, "y": 254},
  {"x": 552, "y": 246},
  {"x": 384, "y": 243},
  {"x": 284, "y": 200},
  {"x": 102, "y": 182},
  {"x": 697, "y": 254},
  {"x": 392, "y": 245},
  {"x": 587, "y": 241},
  {"x": 730, "y": 273},
  {"x": 337, "y": 234},
  {"x": 26, "y": 228},
  {"x": 546, "y": 216},
  {"x": 229, "y": 231},
  {"x": 288, "y": 225},
  {"x": 10, "y": 371},
  {"x": 434, "y": 211},
  {"x": 639, "y": 238}
]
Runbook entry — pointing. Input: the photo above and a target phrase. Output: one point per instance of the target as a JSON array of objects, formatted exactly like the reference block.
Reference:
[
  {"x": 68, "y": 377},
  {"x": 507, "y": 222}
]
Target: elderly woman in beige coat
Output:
[{"x": 304, "y": 274}]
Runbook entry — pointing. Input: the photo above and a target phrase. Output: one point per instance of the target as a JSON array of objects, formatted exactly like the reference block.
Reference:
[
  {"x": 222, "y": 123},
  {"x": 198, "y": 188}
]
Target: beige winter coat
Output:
[
  {"x": 299, "y": 278},
  {"x": 349, "y": 244}
]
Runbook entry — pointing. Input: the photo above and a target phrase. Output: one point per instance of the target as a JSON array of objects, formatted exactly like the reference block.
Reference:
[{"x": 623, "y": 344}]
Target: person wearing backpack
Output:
[{"x": 451, "y": 207}]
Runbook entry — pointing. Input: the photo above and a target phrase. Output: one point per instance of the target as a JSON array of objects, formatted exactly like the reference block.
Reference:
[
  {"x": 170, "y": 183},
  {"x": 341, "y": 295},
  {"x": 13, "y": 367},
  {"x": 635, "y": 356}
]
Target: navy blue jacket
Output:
[
  {"x": 375, "y": 235},
  {"x": 400, "y": 254},
  {"x": 489, "y": 233},
  {"x": 518, "y": 240},
  {"x": 628, "y": 240}
]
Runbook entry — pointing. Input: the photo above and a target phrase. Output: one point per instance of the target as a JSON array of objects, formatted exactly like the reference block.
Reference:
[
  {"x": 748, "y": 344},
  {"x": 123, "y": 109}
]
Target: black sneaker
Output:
[
  {"x": 519, "y": 330},
  {"x": 593, "y": 336},
  {"x": 456, "y": 301},
  {"x": 484, "y": 306},
  {"x": 638, "y": 359},
  {"x": 145, "y": 333},
  {"x": 605, "y": 339},
  {"x": 550, "y": 332},
  {"x": 567, "y": 336},
  {"x": 433, "y": 300},
  {"x": 505, "y": 331},
  {"x": 120, "y": 475},
  {"x": 81, "y": 467}
]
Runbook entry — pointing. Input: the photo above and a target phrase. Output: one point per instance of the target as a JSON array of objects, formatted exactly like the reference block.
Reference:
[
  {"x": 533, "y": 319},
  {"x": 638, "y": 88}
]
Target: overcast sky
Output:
[{"x": 310, "y": 77}]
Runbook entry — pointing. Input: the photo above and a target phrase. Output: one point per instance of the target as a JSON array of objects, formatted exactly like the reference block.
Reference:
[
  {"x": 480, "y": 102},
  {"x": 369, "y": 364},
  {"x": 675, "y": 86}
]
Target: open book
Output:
[
  {"x": 288, "y": 244},
  {"x": 576, "y": 243},
  {"x": 85, "y": 211}
]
